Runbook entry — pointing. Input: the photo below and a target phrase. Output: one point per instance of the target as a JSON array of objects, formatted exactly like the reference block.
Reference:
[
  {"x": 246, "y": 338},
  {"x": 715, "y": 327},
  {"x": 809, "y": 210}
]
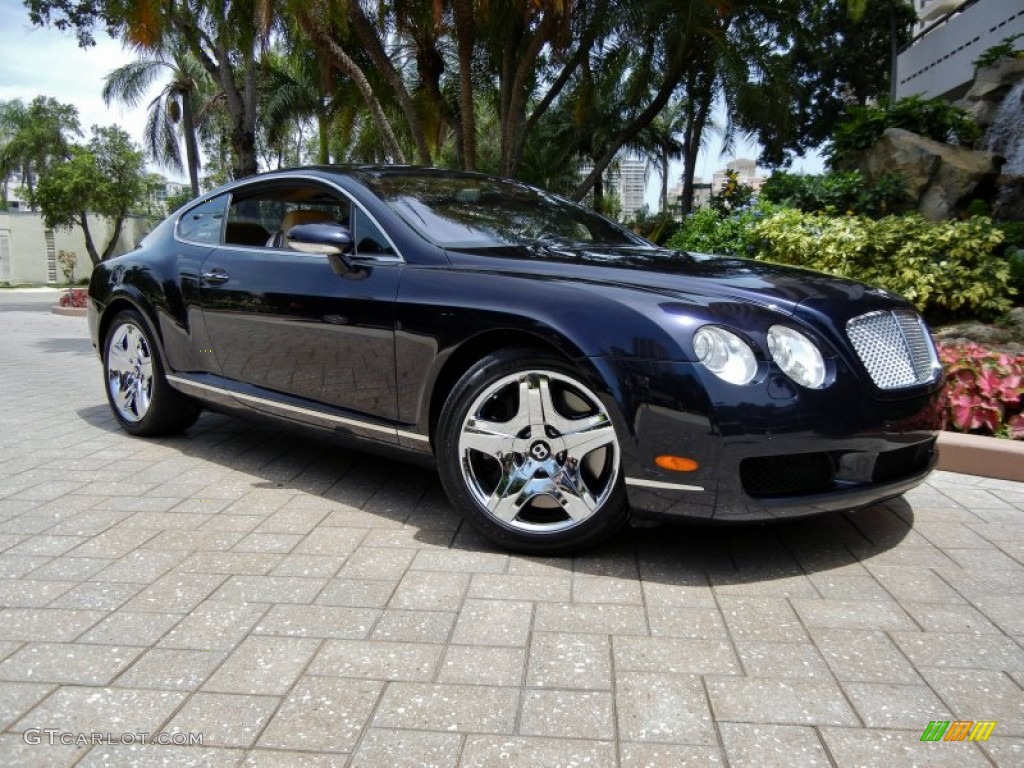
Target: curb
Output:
[
  {"x": 981, "y": 455},
  {"x": 70, "y": 311}
]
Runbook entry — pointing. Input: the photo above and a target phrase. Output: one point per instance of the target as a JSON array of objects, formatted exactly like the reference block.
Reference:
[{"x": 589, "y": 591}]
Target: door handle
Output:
[{"x": 216, "y": 276}]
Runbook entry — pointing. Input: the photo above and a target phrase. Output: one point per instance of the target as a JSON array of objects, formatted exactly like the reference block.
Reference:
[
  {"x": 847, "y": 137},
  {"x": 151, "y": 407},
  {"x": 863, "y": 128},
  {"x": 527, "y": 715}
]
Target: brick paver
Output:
[{"x": 299, "y": 604}]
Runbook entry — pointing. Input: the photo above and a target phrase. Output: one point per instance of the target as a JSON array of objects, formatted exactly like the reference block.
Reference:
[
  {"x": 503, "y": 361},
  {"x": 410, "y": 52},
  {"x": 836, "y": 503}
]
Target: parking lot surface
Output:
[{"x": 279, "y": 601}]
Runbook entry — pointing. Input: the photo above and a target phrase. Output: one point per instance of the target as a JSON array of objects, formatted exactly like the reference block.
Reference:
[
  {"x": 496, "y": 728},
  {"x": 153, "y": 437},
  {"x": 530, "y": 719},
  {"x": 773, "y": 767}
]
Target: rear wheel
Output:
[
  {"x": 139, "y": 395},
  {"x": 529, "y": 454}
]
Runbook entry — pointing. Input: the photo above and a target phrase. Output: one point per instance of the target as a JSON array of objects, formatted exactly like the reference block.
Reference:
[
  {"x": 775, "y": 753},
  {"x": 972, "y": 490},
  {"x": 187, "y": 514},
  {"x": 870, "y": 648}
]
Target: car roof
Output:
[{"x": 363, "y": 173}]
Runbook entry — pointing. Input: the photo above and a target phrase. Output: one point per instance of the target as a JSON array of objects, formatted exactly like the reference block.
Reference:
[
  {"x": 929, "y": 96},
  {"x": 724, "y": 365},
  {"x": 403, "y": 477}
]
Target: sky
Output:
[{"x": 47, "y": 62}]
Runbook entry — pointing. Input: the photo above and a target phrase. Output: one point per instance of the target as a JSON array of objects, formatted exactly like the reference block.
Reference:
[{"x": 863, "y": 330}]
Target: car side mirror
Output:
[{"x": 327, "y": 238}]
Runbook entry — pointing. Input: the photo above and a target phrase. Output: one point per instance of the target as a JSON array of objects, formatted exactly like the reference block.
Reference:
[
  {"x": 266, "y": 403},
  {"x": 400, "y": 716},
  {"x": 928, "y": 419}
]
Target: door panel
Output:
[{"x": 286, "y": 321}]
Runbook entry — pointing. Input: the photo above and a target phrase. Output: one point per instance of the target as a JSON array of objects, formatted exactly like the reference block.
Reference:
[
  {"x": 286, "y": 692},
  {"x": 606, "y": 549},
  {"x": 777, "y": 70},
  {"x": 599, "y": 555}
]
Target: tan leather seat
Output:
[{"x": 293, "y": 218}]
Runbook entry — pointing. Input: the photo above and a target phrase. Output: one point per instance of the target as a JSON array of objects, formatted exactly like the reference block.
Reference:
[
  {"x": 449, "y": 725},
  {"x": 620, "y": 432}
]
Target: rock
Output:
[
  {"x": 939, "y": 178},
  {"x": 1009, "y": 199},
  {"x": 991, "y": 84},
  {"x": 1007, "y": 337}
]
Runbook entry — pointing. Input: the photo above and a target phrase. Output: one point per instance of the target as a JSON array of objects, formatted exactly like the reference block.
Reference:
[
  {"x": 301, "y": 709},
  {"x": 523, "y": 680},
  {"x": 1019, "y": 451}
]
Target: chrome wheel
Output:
[
  {"x": 130, "y": 372},
  {"x": 538, "y": 453}
]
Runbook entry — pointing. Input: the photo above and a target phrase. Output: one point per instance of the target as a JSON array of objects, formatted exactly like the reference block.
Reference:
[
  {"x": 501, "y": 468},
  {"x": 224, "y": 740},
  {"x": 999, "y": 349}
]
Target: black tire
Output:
[
  {"x": 143, "y": 402},
  {"x": 557, "y": 486}
]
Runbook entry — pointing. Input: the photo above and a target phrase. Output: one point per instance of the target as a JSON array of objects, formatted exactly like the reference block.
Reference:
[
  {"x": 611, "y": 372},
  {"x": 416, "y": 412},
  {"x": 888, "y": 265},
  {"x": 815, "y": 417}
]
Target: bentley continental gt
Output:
[{"x": 561, "y": 372}]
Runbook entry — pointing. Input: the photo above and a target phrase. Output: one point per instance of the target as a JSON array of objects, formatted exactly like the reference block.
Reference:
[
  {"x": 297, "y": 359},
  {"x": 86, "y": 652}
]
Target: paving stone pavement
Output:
[{"x": 296, "y": 604}]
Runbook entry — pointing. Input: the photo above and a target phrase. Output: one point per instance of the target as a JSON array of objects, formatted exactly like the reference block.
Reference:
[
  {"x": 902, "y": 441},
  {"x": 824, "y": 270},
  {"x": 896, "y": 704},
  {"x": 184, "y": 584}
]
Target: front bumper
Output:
[{"x": 763, "y": 455}]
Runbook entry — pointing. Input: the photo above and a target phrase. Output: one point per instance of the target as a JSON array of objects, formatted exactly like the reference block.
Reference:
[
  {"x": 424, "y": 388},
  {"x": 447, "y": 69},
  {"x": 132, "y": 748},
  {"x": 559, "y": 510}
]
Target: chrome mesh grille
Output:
[{"x": 894, "y": 347}]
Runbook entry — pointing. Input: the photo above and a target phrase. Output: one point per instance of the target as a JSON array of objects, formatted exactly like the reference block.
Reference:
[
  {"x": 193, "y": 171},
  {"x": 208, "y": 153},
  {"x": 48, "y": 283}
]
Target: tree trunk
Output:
[
  {"x": 894, "y": 52},
  {"x": 324, "y": 156},
  {"x": 699, "y": 98},
  {"x": 664, "y": 161},
  {"x": 248, "y": 163},
  {"x": 90, "y": 246},
  {"x": 515, "y": 122},
  {"x": 241, "y": 106},
  {"x": 466, "y": 32},
  {"x": 26, "y": 177},
  {"x": 631, "y": 131},
  {"x": 345, "y": 63},
  {"x": 578, "y": 57},
  {"x": 114, "y": 237},
  {"x": 371, "y": 43},
  {"x": 191, "y": 148}
]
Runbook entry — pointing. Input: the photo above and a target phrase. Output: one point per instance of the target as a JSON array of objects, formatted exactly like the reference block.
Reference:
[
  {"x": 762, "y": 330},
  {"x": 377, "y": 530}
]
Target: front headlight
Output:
[
  {"x": 725, "y": 354},
  {"x": 797, "y": 356}
]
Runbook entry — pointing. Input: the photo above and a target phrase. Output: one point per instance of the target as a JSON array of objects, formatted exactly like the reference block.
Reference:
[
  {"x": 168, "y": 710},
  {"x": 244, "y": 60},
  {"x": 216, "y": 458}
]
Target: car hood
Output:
[{"x": 687, "y": 275}]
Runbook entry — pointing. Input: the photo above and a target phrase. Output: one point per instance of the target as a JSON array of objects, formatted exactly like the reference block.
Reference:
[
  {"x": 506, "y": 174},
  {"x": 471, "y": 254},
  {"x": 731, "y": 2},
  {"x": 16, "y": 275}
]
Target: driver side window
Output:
[{"x": 263, "y": 218}]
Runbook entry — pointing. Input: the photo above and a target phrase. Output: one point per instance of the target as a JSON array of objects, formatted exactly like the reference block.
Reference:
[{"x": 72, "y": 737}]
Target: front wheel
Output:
[
  {"x": 138, "y": 392},
  {"x": 529, "y": 454}
]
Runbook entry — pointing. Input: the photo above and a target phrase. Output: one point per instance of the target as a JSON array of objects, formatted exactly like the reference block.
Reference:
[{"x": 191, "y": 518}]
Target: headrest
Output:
[{"x": 292, "y": 218}]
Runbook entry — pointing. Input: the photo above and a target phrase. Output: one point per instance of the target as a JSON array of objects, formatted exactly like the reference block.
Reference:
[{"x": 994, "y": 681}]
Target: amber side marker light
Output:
[{"x": 676, "y": 463}]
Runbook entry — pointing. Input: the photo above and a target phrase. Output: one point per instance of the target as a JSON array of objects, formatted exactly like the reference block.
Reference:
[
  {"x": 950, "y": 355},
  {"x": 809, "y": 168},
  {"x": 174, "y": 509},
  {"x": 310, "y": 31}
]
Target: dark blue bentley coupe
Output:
[{"x": 562, "y": 372}]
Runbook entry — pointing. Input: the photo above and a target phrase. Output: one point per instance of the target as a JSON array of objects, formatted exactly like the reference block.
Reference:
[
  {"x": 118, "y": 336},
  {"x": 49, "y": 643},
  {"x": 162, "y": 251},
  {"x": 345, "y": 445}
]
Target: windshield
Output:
[{"x": 472, "y": 212}]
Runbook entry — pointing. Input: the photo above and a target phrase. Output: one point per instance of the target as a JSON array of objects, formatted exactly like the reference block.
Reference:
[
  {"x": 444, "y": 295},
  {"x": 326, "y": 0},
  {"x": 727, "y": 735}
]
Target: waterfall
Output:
[{"x": 1006, "y": 134}]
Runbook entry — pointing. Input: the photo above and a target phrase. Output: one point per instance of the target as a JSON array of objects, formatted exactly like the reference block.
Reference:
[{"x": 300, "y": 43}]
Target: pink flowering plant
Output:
[
  {"x": 75, "y": 297},
  {"x": 984, "y": 390}
]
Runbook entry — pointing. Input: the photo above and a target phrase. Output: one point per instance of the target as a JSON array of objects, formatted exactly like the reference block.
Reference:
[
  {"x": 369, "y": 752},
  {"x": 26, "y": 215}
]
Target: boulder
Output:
[
  {"x": 991, "y": 84},
  {"x": 1009, "y": 199},
  {"x": 939, "y": 178}
]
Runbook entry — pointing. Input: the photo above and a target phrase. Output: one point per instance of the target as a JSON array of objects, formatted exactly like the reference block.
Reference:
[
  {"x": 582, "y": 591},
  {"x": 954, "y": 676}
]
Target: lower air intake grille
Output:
[
  {"x": 801, "y": 474},
  {"x": 895, "y": 348}
]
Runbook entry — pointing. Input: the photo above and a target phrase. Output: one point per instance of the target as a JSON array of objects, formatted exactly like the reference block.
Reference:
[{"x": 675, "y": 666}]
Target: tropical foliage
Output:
[
  {"x": 947, "y": 269},
  {"x": 104, "y": 177},
  {"x": 837, "y": 193},
  {"x": 531, "y": 89},
  {"x": 932, "y": 118},
  {"x": 34, "y": 136},
  {"x": 710, "y": 230},
  {"x": 1006, "y": 48}
]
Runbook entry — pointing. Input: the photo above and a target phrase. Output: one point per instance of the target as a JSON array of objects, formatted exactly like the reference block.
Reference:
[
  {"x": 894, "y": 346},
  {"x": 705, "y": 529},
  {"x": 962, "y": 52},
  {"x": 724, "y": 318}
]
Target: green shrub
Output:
[
  {"x": 932, "y": 118},
  {"x": 1000, "y": 50},
  {"x": 1013, "y": 252},
  {"x": 734, "y": 195},
  {"x": 837, "y": 193},
  {"x": 707, "y": 230},
  {"x": 947, "y": 268}
]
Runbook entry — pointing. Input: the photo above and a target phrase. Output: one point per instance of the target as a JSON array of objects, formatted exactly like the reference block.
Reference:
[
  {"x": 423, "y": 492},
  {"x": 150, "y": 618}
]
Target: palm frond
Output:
[
  {"x": 159, "y": 137},
  {"x": 129, "y": 83}
]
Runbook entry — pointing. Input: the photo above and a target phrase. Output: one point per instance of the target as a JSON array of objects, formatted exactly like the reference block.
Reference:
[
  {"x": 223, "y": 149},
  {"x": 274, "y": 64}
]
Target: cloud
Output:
[{"x": 47, "y": 62}]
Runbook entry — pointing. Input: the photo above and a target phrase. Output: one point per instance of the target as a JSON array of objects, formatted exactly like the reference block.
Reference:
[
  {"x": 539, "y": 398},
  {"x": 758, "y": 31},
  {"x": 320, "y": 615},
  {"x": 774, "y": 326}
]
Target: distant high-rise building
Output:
[
  {"x": 626, "y": 179},
  {"x": 746, "y": 173},
  {"x": 634, "y": 173}
]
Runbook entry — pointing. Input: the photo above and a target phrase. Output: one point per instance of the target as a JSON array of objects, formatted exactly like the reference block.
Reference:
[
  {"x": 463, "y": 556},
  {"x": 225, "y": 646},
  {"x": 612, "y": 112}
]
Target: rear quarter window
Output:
[{"x": 203, "y": 223}]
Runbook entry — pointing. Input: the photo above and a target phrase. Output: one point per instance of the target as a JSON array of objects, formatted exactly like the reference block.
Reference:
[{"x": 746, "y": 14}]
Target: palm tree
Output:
[
  {"x": 660, "y": 143},
  {"x": 13, "y": 115},
  {"x": 34, "y": 136},
  {"x": 296, "y": 87},
  {"x": 178, "y": 102}
]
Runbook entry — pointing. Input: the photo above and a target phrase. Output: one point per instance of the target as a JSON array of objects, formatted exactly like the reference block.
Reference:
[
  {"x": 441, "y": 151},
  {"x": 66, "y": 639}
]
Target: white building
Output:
[
  {"x": 626, "y": 179},
  {"x": 28, "y": 250},
  {"x": 634, "y": 173},
  {"x": 746, "y": 173},
  {"x": 949, "y": 36}
]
